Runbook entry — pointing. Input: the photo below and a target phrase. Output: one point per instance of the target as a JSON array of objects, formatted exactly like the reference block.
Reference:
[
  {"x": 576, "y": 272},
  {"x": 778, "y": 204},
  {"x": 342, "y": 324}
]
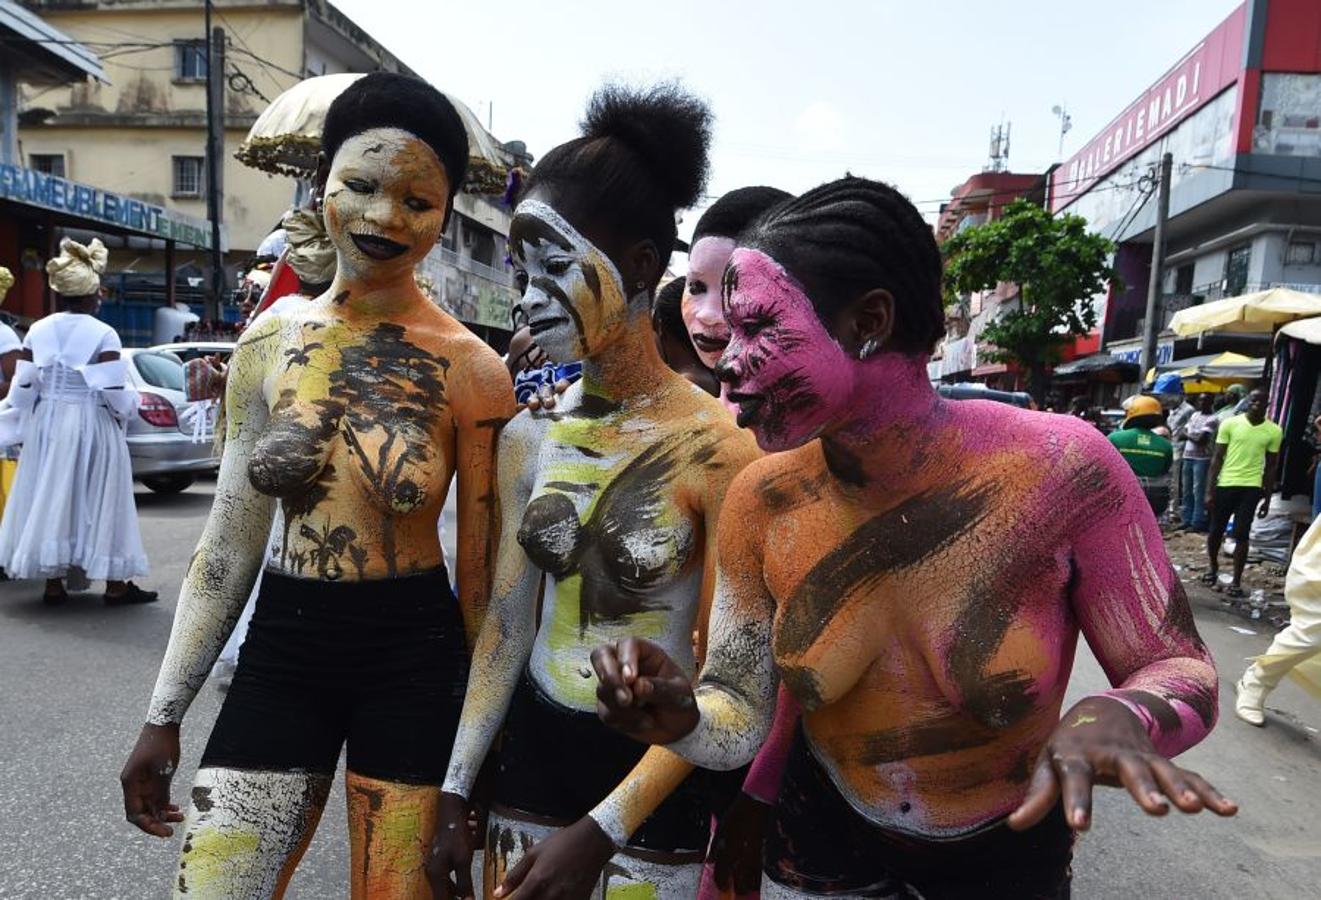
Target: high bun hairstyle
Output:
[
  {"x": 731, "y": 215},
  {"x": 641, "y": 158},
  {"x": 853, "y": 235},
  {"x": 390, "y": 100}
]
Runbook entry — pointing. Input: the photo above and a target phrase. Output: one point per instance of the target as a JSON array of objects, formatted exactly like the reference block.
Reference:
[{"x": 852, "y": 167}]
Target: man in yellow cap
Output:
[{"x": 1149, "y": 455}]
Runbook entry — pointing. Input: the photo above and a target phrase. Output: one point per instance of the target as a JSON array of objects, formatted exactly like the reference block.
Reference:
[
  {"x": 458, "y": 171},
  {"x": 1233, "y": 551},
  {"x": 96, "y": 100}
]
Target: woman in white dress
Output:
[{"x": 71, "y": 512}]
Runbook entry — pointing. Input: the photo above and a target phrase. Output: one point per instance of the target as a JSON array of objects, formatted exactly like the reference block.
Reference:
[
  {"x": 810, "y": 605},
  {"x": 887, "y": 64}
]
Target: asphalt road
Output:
[{"x": 74, "y": 683}]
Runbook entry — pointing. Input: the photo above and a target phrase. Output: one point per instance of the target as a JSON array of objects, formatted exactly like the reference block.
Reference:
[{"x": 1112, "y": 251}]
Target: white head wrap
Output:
[{"x": 76, "y": 272}]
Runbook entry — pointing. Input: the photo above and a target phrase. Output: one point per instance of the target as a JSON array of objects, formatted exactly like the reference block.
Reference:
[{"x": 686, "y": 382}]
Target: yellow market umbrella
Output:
[
  {"x": 286, "y": 137},
  {"x": 1257, "y": 313}
]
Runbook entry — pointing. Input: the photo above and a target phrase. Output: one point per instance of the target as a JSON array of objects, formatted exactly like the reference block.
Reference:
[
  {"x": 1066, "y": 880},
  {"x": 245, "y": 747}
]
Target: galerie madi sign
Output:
[{"x": 1208, "y": 69}]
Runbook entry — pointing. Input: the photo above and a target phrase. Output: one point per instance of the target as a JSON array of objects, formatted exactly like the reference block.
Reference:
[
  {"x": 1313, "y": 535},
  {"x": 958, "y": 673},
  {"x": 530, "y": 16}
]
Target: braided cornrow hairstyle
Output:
[{"x": 853, "y": 235}]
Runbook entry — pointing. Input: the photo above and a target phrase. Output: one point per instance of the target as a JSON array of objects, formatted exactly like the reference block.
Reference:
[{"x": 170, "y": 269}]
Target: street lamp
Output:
[{"x": 1066, "y": 122}]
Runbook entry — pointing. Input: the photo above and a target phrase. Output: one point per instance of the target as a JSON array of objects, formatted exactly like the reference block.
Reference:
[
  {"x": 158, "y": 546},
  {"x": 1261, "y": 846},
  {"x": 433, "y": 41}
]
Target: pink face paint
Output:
[
  {"x": 785, "y": 371},
  {"x": 703, "y": 313}
]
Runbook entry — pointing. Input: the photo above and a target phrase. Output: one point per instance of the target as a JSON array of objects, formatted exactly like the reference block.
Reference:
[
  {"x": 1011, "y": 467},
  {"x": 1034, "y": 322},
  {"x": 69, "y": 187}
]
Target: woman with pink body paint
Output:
[{"x": 916, "y": 573}]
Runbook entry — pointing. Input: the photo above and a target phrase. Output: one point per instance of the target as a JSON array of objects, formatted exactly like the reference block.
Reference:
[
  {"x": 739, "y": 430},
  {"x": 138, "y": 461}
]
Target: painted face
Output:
[
  {"x": 386, "y": 199},
  {"x": 572, "y": 293},
  {"x": 787, "y": 374},
  {"x": 703, "y": 313}
]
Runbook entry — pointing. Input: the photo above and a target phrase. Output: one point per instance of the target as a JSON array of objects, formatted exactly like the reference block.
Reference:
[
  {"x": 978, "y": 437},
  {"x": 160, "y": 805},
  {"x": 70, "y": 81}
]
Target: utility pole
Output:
[
  {"x": 215, "y": 156},
  {"x": 1157, "y": 266}
]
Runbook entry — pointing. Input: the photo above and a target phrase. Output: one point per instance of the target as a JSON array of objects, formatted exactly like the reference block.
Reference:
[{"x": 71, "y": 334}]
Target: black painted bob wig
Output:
[{"x": 390, "y": 100}]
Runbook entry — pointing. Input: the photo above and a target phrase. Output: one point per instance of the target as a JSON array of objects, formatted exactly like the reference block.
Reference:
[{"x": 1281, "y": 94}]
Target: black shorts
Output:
[
  {"x": 558, "y": 763},
  {"x": 382, "y": 665},
  {"x": 820, "y": 844},
  {"x": 1239, "y": 502}
]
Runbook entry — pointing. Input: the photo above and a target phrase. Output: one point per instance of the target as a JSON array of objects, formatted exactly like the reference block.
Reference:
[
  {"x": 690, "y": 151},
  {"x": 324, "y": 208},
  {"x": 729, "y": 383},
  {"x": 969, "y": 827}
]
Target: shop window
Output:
[
  {"x": 49, "y": 163},
  {"x": 1289, "y": 119},
  {"x": 190, "y": 60},
  {"x": 188, "y": 177},
  {"x": 1300, "y": 253},
  {"x": 1236, "y": 270}
]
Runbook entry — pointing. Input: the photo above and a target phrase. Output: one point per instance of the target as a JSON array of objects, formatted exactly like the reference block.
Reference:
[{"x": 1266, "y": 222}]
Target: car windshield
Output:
[{"x": 162, "y": 370}]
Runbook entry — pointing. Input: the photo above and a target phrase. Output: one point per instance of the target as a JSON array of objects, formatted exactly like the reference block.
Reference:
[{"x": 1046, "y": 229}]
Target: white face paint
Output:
[
  {"x": 572, "y": 293},
  {"x": 386, "y": 199}
]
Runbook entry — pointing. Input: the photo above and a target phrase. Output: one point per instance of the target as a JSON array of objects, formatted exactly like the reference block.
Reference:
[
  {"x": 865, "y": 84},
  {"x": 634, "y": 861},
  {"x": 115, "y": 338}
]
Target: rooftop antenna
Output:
[
  {"x": 1066, "y": 123},
  {"x": 999, "y": 147}
]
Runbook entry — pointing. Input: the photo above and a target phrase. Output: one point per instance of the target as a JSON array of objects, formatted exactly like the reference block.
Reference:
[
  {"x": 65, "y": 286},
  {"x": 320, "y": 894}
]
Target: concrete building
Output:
[
  {"x": 142, "y": 133},
  {"x": 1241, "y": 114},
  {"x": 37, "y": 207},
  {"x": 979, "y": 200}
]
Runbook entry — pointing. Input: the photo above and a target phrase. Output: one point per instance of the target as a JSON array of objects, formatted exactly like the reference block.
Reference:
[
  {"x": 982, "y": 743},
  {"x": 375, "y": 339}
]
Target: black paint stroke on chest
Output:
[
  {"x": 615, "y": 584},
  {"x": 899, "y": 538}
]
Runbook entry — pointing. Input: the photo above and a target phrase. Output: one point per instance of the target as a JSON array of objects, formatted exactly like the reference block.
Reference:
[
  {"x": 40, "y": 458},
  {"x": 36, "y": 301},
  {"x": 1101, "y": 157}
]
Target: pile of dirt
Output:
[{"x": 1188, "y": 553}]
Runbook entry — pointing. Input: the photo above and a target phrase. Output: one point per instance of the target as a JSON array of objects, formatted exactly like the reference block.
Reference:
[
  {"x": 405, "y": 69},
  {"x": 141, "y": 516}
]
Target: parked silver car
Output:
[
  {"x": 190, "y": 350},
  {"x": 166, "y": 456}
]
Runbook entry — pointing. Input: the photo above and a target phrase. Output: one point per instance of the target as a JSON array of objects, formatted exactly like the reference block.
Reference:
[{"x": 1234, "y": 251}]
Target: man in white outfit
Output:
[{"x": 1297, "y": 648}]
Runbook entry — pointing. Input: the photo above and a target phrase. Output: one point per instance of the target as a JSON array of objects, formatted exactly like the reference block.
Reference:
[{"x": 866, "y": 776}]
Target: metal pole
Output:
[
  {"x": 1150, "y": 325},
  {"x": 215, "y": 150}
]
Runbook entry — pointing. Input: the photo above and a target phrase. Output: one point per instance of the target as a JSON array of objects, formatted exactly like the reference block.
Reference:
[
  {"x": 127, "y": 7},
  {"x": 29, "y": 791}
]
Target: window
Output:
[
  {"x": 49, "y": 163},
  {"x": 161, "y": 370},
  {"x": 1236, "y": 270},
  {"x": 1183, "y": 279},
  {"x": 1300, "y": 253},
  {"x": 190, "y": 60},
  {"x": 187, "y": 176}
]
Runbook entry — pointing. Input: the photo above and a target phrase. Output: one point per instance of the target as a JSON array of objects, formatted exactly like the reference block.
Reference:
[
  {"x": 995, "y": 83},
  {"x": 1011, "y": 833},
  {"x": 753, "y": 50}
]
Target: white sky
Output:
[{"x": 804, "y": 90}]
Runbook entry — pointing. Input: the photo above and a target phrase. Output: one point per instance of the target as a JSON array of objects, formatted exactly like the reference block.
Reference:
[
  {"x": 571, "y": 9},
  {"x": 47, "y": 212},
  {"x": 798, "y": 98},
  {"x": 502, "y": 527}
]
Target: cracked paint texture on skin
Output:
[
  {"x": 612, "y": 497},
  {"x": 354, "y": 415},
  {"x": 391, "y": 826},
  {"x": 245, "y": 832},
  {"x": 624, "y": 878},
  {"x": 347, "y": 418},
  {"x": 920, "y": 580}
]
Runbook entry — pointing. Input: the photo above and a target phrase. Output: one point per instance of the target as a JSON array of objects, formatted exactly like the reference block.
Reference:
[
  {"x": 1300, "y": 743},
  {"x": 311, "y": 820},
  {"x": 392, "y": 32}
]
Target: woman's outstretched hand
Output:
[
  {"x": 1100, "y": 741},
  {"x": 642, "y": 692}
]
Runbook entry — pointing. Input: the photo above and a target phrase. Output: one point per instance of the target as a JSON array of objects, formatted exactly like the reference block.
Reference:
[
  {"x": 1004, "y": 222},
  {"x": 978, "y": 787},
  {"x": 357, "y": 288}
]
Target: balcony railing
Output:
[
  {"x": 1218, "y": 290},
  {"x": 467, "y": 264}
]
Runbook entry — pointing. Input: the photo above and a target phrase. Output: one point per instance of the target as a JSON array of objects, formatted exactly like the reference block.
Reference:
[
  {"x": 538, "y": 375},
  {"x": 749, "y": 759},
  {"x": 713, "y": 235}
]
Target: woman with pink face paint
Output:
[
  {"x": 917, "y": 573},
  {"x": 713, "y": 242}
]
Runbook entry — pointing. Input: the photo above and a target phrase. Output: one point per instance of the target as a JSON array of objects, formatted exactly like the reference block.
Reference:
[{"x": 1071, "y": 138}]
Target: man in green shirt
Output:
[
  {"x": 1241, "y": 481},
  {"x": 1149, "y": 455}
]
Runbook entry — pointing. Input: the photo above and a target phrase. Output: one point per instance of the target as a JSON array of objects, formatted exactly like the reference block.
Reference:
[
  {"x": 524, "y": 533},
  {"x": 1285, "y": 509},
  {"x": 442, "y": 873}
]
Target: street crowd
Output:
[{"x": 721, "y": 620}]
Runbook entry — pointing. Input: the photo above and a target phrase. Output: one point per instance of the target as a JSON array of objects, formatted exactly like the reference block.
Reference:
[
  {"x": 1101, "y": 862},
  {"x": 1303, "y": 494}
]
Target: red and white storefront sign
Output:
[{"x": 1210, "y": 67}]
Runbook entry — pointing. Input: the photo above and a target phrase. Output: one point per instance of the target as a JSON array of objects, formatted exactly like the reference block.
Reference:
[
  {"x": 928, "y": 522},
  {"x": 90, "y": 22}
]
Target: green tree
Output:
[{"x": 1057, "y": 265}]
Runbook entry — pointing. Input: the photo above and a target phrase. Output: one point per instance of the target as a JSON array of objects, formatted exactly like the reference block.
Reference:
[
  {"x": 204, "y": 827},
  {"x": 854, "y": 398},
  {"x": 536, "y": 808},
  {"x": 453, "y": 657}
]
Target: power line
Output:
[{"x": 267, "y": 63}]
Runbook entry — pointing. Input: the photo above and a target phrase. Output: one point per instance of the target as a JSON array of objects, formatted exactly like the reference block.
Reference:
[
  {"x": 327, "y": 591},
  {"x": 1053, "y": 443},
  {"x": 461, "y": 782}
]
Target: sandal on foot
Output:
[
  {"x": 132, "y": 595},
  {"x": 1208, "y": 579},
  {"x": 1234, "y": 591},
  {"x": 56, "y": 599}
]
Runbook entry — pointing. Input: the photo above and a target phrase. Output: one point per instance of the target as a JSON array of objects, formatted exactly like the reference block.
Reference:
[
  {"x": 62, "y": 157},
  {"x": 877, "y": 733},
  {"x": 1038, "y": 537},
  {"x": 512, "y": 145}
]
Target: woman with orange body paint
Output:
[
  {"x": 346, "y": 418},
  {"x": 917, "y": 578}
]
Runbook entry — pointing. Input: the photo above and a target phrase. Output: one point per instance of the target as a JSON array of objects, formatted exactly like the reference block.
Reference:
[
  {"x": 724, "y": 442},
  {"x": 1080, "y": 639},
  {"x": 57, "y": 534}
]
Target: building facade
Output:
[
  {"x": 142, "y": 133},
  {"x": 1241, "y": 115},
  {"x": 979, "y": 200}
]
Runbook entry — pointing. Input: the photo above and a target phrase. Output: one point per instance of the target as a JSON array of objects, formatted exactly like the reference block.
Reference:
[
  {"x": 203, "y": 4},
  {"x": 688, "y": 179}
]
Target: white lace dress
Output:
[{"x": 71, "y": 507}]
